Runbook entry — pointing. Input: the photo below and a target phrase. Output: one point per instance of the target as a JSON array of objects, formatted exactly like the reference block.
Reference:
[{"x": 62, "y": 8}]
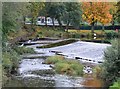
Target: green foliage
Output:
[
  {"x": 118, "y": 11},
  {"x": 54, "y": 59},
  {"x": 23, "y": 50},
  {"x": 97, "y": 71},
  {"x": 111, "y": 65},
  {"x": 10, "y": 60},
  {"x": 111, "y": 34},
  {"x": 116, "y": 85},
  {"x": 7, "y": 61},
  {"x": 69, "y": 67},
  {"x": 62, "y": 66},
  {"x": 72, "y": 14},
  {"x": 35, "y": 8}
]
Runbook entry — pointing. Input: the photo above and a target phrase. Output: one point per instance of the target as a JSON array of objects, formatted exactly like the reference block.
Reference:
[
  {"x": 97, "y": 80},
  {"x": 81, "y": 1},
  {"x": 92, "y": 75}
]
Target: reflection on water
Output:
[{"x": 91, "y": 81}]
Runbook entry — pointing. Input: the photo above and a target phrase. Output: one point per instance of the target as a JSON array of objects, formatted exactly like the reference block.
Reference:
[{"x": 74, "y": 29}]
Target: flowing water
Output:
[{"x": 33, "y": 73}]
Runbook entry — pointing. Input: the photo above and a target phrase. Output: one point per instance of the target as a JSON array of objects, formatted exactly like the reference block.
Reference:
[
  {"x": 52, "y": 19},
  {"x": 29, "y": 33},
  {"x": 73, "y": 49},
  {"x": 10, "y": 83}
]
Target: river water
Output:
[{"x": 33, "y": 73}]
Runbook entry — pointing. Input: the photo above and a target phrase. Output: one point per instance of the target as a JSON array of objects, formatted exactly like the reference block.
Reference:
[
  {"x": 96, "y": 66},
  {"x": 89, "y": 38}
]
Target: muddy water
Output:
[
  {"x": 91, "y": 81},
  {"x": 33, "y": 73}
]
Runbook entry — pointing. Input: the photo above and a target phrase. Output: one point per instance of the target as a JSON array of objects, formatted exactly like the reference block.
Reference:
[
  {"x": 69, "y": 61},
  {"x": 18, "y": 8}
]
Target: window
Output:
[
  {"x": 42, "y": 21},
  {"x": 39, "y": 19}
]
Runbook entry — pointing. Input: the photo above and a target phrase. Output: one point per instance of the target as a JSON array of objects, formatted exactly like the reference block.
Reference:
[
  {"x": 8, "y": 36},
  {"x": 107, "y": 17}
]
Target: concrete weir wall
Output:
[{"x": 84, "y": 51}]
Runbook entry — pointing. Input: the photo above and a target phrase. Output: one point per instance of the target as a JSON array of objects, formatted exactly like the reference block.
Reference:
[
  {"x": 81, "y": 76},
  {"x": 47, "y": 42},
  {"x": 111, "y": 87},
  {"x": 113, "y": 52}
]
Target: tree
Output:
[
  {"x": 94, "y": 12},
  {"x": 113, "y": 12},
  {"x": 72, "y": 14},
  {"x": 24, "y": 11},
  {"x": 111, "y": 69},
  {"x": 35, "y": 8},
  {"x": 55, "y": 11},
  {"x": 118, "y": 11}
]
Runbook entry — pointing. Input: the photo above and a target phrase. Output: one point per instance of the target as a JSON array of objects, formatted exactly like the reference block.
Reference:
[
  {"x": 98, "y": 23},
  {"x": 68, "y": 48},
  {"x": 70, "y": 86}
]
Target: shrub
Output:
[
  {"x": 116, "y": 85},
  {"x": 10, "y": 61},
  {"x": 23, "y": 50},
  {"x": 111, "y": 65},
  {"x": 111, "y": 34},
  {"x": 62, "y": 66},
  {"x": 54, "y": 59},
  {"x": 97, "y": 70},
  {"x": 6, "y": 62},
  {"x": 69, "y": 67}
]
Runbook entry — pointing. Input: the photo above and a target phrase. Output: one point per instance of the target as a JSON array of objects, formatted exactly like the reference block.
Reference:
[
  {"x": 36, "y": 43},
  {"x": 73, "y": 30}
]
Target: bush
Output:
[
  {"x": 62, "y": 66},
  {"x": 54, "y": 59},
  {"x": 115, "y": 85},
  {"x": 10, "y": 61},
  {"x": 111, "y": 66},
  {"x": 111, "y": 34},
  {"x": 6, "y": 62},
  {"x": 23, "y": 50},
  {"x": 69, "y": 67},
  {"x": 97, "y": 71}
]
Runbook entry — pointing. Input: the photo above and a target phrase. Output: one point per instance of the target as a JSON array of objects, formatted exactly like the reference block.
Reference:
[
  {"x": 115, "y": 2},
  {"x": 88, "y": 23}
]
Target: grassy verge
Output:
[
  {"x": 63, "y": 66},
  {"x": 87, "y": 33},
  {"x": 64, "y": 42}
]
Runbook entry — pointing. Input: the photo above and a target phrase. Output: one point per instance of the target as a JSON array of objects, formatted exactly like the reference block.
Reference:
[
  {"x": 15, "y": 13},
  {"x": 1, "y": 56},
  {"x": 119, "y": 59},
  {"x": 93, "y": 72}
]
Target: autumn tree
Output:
[{"x": 94, "y": 12}]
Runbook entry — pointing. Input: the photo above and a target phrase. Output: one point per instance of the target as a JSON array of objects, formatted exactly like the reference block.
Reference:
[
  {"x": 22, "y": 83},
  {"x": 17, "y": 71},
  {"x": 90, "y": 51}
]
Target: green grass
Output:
[
  {"x": 63, "y": 66},
  {"x": 50, "y": 32},
  {"x": 87, "y": 33},
  {"x": 23, "y": 50},
  {"x": 116, "y": 85},
  {"x": 64, "y": 42},
  {"x": 54, "y": 59}
]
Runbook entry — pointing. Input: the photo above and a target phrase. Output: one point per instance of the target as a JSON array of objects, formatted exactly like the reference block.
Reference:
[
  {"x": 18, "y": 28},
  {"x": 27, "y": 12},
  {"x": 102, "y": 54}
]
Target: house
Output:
[{"x": 41, "y": 21}]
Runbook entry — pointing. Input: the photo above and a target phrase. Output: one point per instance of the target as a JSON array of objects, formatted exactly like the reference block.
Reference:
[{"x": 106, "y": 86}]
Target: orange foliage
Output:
[{"x": 96, "y": 11}]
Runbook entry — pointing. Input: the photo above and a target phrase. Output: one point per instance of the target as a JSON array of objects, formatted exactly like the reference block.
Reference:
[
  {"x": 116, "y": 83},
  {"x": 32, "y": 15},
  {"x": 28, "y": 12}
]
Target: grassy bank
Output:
[
  {"x": 63, "y": 66},
  {"x": 10, "y": 60},
  {"x": 64, "y": 42}
]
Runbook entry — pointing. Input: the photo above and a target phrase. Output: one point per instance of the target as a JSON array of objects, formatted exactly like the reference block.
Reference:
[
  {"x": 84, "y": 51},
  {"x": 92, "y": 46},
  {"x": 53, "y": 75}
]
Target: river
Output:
[{"x": 33, "y": 73}]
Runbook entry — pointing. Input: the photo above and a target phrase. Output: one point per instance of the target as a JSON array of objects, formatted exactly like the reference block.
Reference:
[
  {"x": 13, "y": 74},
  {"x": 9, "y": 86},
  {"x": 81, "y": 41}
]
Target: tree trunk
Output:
[
  {"x": 113, "y": 21},
  {"x": 92, "y": 29},
  {"x": 33, "y": 24},
  {"x": 67, "y": 26},
  {"x": 53, "y": 23},
  {"x": 103, "y": 29},
  {"x": 24, "y": 21},
  {"x": 46, "y": 21},
  {"x": 60, "y": 24}
]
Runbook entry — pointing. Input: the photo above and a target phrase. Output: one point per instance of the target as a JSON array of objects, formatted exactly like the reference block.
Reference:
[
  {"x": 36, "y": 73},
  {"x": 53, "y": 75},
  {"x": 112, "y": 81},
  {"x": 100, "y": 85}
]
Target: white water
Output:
[
  {"x": 85, "y": 50},
  {"x": 32, "y": 65}
]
